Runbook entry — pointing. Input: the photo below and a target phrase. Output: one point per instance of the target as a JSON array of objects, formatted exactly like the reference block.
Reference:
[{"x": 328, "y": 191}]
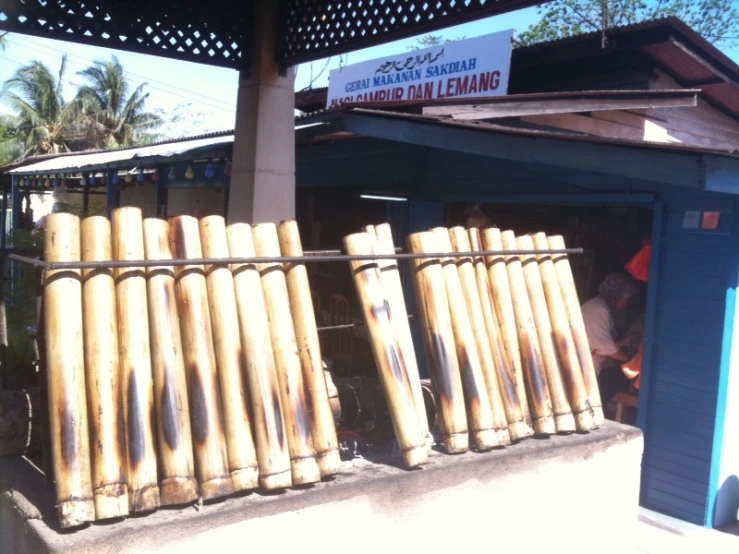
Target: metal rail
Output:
[{"x": 309, "y": 257}]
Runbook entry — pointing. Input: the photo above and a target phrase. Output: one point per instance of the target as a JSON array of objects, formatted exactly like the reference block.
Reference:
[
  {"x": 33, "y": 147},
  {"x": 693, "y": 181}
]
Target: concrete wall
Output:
[{"x": 575, "y": 494}]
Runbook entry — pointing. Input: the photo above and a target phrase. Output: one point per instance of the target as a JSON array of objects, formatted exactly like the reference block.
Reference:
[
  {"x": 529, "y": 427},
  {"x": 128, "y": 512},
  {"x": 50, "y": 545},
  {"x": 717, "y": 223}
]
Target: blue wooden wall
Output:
[{"x": 690, "y": 309}]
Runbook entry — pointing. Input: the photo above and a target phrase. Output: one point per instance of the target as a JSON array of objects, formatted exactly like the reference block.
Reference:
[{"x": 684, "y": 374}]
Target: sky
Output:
[{"x": 206, "y": 95}]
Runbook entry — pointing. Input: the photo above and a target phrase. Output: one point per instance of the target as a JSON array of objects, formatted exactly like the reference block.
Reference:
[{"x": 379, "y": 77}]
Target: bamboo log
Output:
[
  {"x": 177, "y": 483},
  {"x": 562, "y": 334},
  {"x": 468, "y": 278},
  {"x": 103, "y": 374},
  {"x": 259, "y": 361},
  {"x": 242, "y": 454},
  {"x": 577, "y": 325},
  {"x": 135, "y": 361},
  {"x": 390, "y": 364},
  {"x": 67, "y": 397},
  {"x": 309, "y": 348},
  {"x": 287, "y": 359},
  {"x": 480, "y": 420},
  {"x": 206, "y": 416},
  {"x": 564, "y": 421},
  {"x": 504, "y": 370},
  {"x": 528, "y": 340},
  {"x": 393, "y": 287},
  {"x": 501, "y": 294},
  {"x": 438, "y": 335}
]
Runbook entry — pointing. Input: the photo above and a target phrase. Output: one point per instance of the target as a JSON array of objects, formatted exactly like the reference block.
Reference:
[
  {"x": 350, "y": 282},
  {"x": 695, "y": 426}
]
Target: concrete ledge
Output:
[{"x": 571, "y": 494}]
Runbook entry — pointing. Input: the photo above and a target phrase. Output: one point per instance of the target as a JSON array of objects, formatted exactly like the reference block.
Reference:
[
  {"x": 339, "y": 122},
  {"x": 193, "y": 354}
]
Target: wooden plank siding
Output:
[{"x": 685, "y": 370}]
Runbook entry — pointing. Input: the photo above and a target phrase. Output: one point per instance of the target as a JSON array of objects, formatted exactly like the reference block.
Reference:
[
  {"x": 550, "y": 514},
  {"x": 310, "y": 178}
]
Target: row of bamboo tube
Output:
[
  {"x": 171, "y": 383},
  {"x": 504, "y": 336}
]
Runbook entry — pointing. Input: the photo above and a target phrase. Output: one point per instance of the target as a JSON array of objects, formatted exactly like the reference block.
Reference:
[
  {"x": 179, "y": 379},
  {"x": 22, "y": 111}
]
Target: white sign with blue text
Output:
[{"x": 463, "y": 69}]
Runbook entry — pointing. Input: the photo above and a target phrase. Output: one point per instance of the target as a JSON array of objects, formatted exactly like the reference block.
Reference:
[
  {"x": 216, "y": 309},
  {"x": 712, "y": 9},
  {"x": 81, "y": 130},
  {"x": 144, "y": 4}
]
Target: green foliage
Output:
[
  {"x": 716, "y": 20},
  {"x": 42, "y": 117},
  {"x": 105, "y": 113},
  {"x": 20, "y": 299},
  {"x": 116, "y": 113},
  {"x": 426, "y": 41}
]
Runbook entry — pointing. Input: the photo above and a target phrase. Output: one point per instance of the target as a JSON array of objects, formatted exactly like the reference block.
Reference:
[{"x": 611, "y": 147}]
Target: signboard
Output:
[{"x": 464, "y": 69}]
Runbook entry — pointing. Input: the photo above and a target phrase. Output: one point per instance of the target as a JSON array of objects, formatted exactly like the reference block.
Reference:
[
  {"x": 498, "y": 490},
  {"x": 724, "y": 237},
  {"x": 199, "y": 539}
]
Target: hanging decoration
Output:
[
  {"x": 115, "y": 178},
  {"x": 172, "y": 174},
  {"x": 55, "y": 182},
  {"x": 47, "y": 182},
  {"x": 155, "y": 176},
  {"x": 83, "y": 181},
  {"x": 128, "y": 178},
  {"x": 140, "y": 177},
  {"x": 227, "y": 171},
  {"x": 92, "y": 179},
  {"x": 103, "y": 180},
  {"x": 209, "y": 170},
  {"x": 189, "y": 174}
]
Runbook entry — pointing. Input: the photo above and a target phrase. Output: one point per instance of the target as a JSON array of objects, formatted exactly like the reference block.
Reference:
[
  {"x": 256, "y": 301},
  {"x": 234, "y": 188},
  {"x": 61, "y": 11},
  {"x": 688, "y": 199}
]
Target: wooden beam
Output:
[
  {"x": 559, "y": 103},
  {"x": 706, "y": 64}
]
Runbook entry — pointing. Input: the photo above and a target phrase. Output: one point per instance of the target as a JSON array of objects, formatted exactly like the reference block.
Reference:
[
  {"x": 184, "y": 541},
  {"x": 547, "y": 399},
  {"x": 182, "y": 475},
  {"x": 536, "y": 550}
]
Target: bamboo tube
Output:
[
  {"x": 103, "y": 374},
  {"x": 577, "y": 325},
  {"x": 461, "y": 243},
  {"x": 135, "y": 360},
  {"x": 206, "y": 416},
  {"x": 66, "y": 368},
  {"x": 528, "y": 340},
  {"x": 390, "y": 364},
  {"x": 564, "y": 421},
  {"x": 242, "y": 454},
  {"x": 259, "y": 361},
  {"x": 393, "y": 287},
  {"x": 438, "y": 335},
  {"x": 562, "y": 334},
  {"x": 309, "y": 348},
  {"x": 287, "y": 359},
  {"x": 479, "y": 410},
  {"x": 504, "y": 371},
  {"x": 501, "y": 294},
  {"x": 177, "y": 484}
]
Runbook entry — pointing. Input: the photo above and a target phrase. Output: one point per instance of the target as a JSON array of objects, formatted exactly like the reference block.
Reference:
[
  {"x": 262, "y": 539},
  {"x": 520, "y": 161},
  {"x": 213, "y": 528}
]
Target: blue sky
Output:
[{"x": 208, "y": 94}]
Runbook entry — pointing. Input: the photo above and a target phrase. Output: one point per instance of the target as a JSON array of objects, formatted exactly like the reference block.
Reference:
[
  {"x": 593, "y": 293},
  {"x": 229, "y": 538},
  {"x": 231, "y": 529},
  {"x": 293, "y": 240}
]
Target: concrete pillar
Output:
[{"x": 263, "y": 166}]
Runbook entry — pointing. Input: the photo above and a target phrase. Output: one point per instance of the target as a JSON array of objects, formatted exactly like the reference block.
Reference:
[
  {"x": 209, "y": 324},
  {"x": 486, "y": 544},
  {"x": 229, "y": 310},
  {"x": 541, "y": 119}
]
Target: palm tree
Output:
[
  {"x": 11, "y": 147},
  {"x": 42, "y": 117},
  {"x": 119, "y": 117}
]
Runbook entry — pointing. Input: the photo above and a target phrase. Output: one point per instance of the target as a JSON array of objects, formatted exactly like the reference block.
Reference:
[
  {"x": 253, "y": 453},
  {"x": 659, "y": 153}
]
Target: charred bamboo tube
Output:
[
  {"x": 562, "y": 335},
  {"x": 528, "y": 340},
  {"x": 309, "y": 348},
  {"x": 438, "y": 335},
  {"x": 242, "y": 454},
  {"x": 504, "y": 371},
  {"x": 501, "y": 294},
  {"x": 577, "y": 325},
  {"x": 259, "y": 360},
  {"x": 209, "y": 442},
  {"x": 287, "y": 359},
  {"x": 177, "y": 483},
  {"x": 135, "y": 360},
  {"x": 390, "y": 366},
  {"x": 393, "y": 287},
  {"x": 66, "y": 366},
  {"x": 103, "y": 374},
  {"x": 480, "y": 420},
  {"x": 564, "y": 421},
  {"x": 473, "y": 301}
]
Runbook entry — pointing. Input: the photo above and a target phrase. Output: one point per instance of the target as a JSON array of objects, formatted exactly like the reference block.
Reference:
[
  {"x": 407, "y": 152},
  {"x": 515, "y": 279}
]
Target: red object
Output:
[{"x": 638, "y": 265}]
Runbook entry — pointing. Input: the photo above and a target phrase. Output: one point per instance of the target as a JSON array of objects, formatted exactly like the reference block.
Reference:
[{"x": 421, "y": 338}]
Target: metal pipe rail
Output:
[{"x": 308, "y": 257}]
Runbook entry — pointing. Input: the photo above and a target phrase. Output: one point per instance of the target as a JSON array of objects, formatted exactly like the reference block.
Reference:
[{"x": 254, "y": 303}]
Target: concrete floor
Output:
[{"x": 660, "y": 534}]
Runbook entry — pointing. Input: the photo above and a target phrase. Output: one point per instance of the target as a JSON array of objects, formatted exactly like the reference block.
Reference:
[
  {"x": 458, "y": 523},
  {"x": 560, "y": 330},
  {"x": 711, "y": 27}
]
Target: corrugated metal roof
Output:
[{"x": 103, "y": 158}]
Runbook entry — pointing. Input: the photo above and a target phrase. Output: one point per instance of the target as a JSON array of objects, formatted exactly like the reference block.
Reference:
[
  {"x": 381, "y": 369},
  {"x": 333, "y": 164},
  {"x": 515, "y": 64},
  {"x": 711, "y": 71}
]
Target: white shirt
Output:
[{"x": 601, "y": 330}]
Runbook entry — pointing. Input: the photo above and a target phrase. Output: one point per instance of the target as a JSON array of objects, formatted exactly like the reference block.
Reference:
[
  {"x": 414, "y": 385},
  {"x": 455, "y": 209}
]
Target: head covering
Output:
[{"x": 615, "y": 287}]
